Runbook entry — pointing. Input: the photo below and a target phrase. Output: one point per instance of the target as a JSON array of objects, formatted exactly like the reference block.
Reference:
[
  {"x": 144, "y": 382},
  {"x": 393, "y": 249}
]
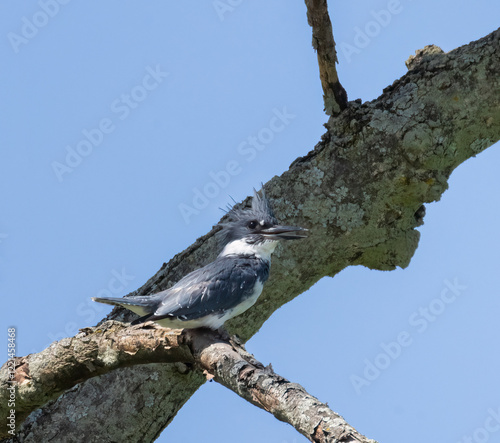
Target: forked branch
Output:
[{"x": 112, "y": 345}]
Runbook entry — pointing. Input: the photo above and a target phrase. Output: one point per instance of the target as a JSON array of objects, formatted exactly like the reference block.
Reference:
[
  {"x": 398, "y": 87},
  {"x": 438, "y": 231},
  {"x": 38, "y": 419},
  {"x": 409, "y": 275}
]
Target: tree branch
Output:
[
  {"x": 98, "y": 351},
  {"x": 42, "y": 377},
  {"x": 360, "y": 191},
  {"x": 334, "y": 95},
  {"x": 261, "y": 386}
]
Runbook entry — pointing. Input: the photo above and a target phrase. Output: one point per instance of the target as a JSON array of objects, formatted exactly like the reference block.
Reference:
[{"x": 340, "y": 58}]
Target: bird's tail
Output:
[{"x": 140, "y": 305}]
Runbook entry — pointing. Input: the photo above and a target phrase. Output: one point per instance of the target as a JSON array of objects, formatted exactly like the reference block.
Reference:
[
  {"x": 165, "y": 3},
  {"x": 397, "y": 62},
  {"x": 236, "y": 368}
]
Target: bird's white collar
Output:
[{"x": 261, "y": 250}]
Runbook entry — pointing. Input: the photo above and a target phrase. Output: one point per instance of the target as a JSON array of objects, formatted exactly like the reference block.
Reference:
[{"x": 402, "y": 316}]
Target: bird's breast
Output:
[{"x": 249, "y": 301}]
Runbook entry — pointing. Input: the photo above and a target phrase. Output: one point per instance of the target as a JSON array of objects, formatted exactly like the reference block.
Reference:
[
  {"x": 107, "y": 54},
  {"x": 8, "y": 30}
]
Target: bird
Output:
[{"x": 226, "y": 287}]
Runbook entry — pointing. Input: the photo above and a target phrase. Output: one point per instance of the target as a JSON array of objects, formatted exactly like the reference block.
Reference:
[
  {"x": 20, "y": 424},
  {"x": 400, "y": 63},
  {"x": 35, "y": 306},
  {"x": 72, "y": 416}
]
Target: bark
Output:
[
  {"x": 334, "y": 95},
  {"x": 360, "y": 191},
  {"x": 99, "y": 351},
  {"x": 261, "y": 386},
  {"x": 94, "y": 351}
]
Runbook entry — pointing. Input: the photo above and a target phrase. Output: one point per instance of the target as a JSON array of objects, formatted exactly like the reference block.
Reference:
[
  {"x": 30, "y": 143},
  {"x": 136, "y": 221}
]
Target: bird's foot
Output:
[
  {"x": 233, "y": 340},
  {"x": 238, "y": 345},
  {"x": 223, "y": 334}
]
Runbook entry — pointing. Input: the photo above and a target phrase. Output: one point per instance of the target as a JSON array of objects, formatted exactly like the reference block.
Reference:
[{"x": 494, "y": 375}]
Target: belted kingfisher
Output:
[{"x": 228, "y": 286}]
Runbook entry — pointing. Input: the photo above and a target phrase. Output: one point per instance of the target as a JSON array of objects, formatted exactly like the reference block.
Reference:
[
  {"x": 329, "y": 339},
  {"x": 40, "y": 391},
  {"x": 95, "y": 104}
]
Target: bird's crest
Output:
[{"x": 260, "y": 211}]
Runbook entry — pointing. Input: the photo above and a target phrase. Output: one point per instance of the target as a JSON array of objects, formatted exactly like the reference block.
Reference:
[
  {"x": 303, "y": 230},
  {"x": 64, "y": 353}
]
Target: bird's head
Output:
[{"x": 257, "y": 225}]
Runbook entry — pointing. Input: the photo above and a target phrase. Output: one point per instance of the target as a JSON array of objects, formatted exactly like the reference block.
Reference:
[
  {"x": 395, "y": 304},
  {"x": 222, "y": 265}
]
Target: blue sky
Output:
[{"x": 117, "y": 116}]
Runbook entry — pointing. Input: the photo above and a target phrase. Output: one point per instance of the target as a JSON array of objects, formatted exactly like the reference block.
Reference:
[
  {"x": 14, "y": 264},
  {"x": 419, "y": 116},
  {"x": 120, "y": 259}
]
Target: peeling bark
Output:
[
  {"x": 360, "y": 192},
  {"x": 261, "y": 386},
  {"x": 334, "y": 95},
  {"x": 94, "y": 351},
  {"x": 112, "y": 346}
]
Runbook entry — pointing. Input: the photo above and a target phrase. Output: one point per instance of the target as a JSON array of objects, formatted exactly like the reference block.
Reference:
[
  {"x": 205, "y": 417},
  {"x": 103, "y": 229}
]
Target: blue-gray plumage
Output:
[{"x": 226, "y": 287}]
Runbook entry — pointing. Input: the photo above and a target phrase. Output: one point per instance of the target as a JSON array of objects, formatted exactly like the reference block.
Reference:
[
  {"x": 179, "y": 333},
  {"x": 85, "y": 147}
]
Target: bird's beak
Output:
[{"x": 284, "y": 233}]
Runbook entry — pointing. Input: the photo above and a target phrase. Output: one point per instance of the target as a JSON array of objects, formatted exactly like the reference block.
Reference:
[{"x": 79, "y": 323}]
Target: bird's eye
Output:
[{"x": 252, "y": 224}]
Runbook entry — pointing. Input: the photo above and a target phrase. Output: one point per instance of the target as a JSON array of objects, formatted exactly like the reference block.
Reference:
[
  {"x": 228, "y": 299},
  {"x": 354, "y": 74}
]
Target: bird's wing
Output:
[{"x": 215, "y": 288}]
